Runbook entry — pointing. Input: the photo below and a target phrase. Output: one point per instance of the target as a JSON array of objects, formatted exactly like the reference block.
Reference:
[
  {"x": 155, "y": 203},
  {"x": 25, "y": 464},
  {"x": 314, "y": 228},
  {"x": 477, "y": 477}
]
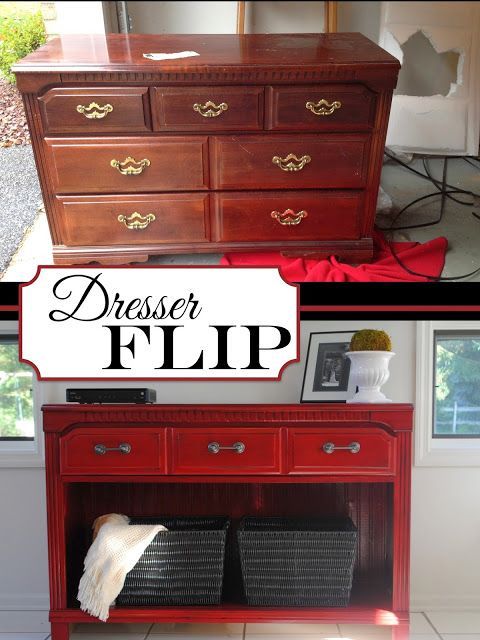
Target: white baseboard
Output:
[
  {"x": 444, "y": 602},
  {"x": 25, "y": 602}
]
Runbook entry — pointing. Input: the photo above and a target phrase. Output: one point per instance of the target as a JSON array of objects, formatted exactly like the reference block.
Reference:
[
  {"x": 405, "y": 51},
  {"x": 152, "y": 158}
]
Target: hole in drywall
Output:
[{"x": 425, "y": 72}]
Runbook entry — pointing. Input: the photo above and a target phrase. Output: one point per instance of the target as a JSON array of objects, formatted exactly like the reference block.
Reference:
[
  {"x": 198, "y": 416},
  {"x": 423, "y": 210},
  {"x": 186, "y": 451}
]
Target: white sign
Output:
[{"x": 100, "y": 322}]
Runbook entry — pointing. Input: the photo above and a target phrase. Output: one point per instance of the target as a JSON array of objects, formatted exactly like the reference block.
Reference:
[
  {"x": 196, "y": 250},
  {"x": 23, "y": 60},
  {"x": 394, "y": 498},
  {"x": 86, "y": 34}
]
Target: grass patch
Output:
[{"x": 21, "y": 32}]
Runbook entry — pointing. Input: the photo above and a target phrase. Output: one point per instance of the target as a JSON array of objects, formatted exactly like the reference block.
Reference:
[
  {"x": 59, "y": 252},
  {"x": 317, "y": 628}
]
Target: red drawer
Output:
[
  {"x": 337, "y": 450},
  {"x": 84, "y": 451},
  {"x": 225, "y": 451}
]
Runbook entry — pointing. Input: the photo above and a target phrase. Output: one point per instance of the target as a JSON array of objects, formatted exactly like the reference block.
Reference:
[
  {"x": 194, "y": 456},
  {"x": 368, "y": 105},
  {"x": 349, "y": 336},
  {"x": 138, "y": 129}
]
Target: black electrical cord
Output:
[
  {"x": 470, "y": 161},
  {"x": 432, "y": 278},
  {"x": 442, "y": 191},
  {"x": 428, "y": 176},
  {"x": 439, "y": 184},
  {"x": 410, "y": 204}
]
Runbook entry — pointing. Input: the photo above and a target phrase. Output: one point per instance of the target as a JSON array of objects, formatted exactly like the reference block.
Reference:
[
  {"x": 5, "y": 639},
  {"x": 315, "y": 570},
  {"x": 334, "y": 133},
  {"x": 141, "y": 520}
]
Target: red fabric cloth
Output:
[{"x": 427, "y": 258}]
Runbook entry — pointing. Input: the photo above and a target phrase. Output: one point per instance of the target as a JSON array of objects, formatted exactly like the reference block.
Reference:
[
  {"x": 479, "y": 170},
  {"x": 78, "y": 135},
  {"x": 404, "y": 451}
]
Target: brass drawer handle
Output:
[
  {"x": 130, "y": 166},
  {"x": 291, "y": 162},
  {"x": 210, "y": 109},
  {"x": 214, "y": 447},
  {"x": 323, "y": 107},
  {"x": 101, "y": 449},
  {"x": 289, "y": 217},
  {"x": 353, "y": 447},
  {"x": 136, "y": 221},
  {"x": 94, "y": 111}
]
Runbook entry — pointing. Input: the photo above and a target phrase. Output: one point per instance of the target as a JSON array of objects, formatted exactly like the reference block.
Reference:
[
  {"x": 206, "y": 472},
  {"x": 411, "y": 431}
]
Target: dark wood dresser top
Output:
[{"x": 113, "y": 52}]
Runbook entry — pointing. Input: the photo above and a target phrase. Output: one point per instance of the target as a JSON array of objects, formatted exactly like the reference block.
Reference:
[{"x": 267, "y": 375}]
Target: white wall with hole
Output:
[{"x": 436, "y": 106}]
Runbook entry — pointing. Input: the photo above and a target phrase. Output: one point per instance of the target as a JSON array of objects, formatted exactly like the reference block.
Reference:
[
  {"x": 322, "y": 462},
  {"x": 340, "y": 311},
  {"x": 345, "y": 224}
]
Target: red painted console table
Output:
[{"x": 285, "y": 469}]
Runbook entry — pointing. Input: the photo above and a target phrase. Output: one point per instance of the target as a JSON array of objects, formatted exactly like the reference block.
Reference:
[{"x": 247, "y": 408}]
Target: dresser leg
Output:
[
  {"x": 60, "y": 631},
  {"x": 401, "y": 632}
]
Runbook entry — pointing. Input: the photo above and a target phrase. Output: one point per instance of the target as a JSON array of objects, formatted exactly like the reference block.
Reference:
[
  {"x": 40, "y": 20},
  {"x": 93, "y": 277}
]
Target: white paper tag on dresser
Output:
[
  {"x": 170, "y": 56},
  {"x": 171, "y": 323}
]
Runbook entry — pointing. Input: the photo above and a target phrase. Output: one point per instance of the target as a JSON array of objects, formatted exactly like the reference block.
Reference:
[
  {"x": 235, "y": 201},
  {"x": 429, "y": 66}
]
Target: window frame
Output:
[
  {"x": 24, "y": 453},
  {"x": 430, "y": 451}
]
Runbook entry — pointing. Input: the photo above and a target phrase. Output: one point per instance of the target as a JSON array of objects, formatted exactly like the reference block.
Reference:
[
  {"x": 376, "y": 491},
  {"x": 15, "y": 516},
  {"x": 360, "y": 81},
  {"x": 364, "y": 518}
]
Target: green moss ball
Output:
[{"x": 370, "y": 340}]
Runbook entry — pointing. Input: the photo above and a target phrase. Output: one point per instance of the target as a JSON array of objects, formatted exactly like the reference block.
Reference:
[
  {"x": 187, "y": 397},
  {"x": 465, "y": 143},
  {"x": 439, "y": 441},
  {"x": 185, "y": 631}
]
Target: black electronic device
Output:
[{"x": 112, "y": 396}]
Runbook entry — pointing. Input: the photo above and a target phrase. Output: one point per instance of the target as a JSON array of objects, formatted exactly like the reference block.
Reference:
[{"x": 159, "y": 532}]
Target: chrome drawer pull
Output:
[
  {"x": 323, "y": 107},
  {"x": 210, "y": 109},
  {"x": 291, "y": 162},
  {"x": 214, "y": 447},
  {"x": 353, "y": 447},
  {"x": 101, "y": 449}
]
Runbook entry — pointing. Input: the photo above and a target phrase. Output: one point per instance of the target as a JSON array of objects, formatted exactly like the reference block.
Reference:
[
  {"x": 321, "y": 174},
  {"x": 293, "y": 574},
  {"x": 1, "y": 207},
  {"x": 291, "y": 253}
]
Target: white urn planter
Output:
[{"x": 369, "y": 371}]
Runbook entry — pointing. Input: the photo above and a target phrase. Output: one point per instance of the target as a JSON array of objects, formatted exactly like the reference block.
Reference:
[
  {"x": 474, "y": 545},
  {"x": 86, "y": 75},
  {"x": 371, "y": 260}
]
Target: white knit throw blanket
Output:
[{"x": 114, "y": 552}]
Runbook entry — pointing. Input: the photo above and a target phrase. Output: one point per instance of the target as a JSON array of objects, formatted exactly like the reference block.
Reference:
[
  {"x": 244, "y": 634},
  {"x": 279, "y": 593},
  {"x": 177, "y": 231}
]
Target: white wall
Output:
[
  {"x": 445, "y": 538},
  {"x": 285, "y": 391},
  {"x": 260, "y": 17},
  {"x": 183, "y": 17},
  {"x": 221, "y": 17},
  {"x": 75, "y": 17},
  {"x": 214, "y": 17},
  {"x": 360, "y": 16},
  {"x": 284, "y": 17},
  {"x": 23, "y": 553}
]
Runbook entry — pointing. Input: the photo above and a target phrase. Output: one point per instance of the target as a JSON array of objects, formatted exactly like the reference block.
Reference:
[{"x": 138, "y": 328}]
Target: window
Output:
[
  {"x": 16, "y": 393},
  {"x": 21, "y": 438},
  {"x": 447, "y": 407},
  {"x": 457, "y": 385}
]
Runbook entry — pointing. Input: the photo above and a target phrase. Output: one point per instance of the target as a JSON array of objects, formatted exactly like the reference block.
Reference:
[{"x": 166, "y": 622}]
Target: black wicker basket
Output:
[
  {"x": 297, "y": 562},
  {"x": 181, "y": 566}
]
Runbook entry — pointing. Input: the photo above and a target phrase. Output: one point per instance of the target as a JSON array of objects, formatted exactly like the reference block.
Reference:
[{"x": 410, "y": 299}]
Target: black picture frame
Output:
[{"x": 326, "y": 376}]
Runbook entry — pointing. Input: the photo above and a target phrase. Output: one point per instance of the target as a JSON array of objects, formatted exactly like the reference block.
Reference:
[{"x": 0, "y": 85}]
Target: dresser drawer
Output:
[
  {"x": 207, "y": 108},
  {"x": 341, "y": 450},
  {"x": 135, "y": 165},
  {"x": 289, "y": 161},
  {"x": 124, "y": 220},
  {"x": 84, "y": 451},
  {"x": 326, "y": 107},
  {"x": 225, "y": 451},
  {"x": 287, "y": 215},
  {"x": 96, "y": 110}
]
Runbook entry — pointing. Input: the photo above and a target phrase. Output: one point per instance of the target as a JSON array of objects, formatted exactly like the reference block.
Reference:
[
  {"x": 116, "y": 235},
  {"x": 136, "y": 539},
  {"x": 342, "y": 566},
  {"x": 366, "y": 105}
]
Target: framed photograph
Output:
[{"x": 327, "y": 370}]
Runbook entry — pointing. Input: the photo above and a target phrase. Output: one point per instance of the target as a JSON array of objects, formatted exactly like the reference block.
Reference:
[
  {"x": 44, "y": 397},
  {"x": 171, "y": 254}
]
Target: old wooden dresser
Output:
[
  {"x": 259, "y": 143},
  {"x": 295, "y": 460}
]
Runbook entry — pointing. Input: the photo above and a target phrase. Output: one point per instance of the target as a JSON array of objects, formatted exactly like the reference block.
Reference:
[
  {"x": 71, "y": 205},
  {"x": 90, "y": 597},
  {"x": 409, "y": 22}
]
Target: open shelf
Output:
[{"x": 368, "y": 504}]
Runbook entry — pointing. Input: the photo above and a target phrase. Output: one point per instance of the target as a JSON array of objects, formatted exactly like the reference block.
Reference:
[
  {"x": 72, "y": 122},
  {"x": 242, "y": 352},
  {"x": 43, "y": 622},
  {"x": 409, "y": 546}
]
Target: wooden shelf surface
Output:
[{"x": 355, "y": 614}]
